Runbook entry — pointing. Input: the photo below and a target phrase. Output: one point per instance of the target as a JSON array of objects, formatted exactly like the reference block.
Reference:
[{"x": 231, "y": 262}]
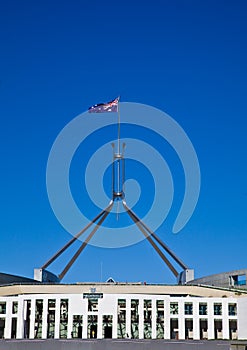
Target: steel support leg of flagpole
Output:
[
  {"x": 67, "y": 245},
  {"x": 157, "y": 249},
  {"x": 84, "y": 244},
  {"x": 163, "y": 245}
]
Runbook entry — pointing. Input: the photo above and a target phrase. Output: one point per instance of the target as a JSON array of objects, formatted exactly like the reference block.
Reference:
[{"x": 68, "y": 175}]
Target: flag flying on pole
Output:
[{"x": 111, "y": 106}]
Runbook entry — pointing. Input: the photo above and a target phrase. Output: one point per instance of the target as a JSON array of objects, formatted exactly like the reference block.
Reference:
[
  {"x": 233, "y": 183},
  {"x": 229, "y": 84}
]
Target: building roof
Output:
[
  {"x": 235, "y": 278},
  {"x": 6, "y": 278}
]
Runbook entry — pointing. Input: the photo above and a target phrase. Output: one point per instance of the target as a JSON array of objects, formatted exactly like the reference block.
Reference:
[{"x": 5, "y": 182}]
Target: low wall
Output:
[{"x": 111, "y": 344}]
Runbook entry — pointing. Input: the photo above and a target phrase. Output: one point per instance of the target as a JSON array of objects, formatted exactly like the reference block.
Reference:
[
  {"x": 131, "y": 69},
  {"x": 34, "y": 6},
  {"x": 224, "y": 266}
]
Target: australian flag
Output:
[{"x": 111, "y": 106}]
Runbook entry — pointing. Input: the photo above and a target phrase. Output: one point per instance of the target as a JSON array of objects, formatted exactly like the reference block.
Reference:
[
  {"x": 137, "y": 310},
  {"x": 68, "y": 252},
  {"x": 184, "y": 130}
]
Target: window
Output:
[
  {"x": 203, "y": 328},
  {"x": 232, "y": 309},
  {"x": 188, "y": 328},
  {"x": 2, "y": 327},
  {"x": 93, "y": 305},
  {"x": 107, "y": 326},
  {"x": 38, "y": 318},
  {"x": 121, "y": 308},
  {"x": 173, "y": 308},
  {"x": 135, "y": 318},
  {"x": 92, "y": 326},
  {"x": 218, "y": 329},
  {"x": 77, "y": 326},
  {"x": 15, "y": 307},
  {"x": 2, "y": 307},
  {"x": 160, "y": 319},
  {"x": 63, "y": 318},
  {"x": 147, "y": 308},
  {"x": 238, "y": 280},
  {"x": 174, "y": 328},
  {"x": 217, "y": 309},
  {"x": 13, "y": 327},
  {"x": 233, "y": 327},
  {"x": 134, "y": 310},
  {"x": 121, "y": 330},
  {"x": 188, "y": 308},
  {"x": 51, "y": 318},
  {"x": 27, "y": 316},
  {"x": 203, "y": 309}
]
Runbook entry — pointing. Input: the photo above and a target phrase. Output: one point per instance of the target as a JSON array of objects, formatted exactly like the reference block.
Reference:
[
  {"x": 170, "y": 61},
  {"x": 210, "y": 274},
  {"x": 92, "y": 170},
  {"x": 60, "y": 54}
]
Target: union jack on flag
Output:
[{"x": 111, "y": 106}]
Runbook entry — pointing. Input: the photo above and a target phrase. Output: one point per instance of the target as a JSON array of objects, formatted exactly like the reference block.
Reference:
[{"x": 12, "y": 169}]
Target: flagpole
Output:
[
  {"x": 118, "y": 162},
  {"x": 118, "y": 128}
]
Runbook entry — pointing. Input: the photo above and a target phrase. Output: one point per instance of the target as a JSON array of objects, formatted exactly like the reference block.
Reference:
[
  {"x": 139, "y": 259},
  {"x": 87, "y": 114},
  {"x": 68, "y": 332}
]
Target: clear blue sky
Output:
[{"x": 187, "y": 58}]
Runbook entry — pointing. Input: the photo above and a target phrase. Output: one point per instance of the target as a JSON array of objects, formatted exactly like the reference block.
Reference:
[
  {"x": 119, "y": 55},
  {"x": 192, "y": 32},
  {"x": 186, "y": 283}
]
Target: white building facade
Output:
[{"x": 121, "y": 311}]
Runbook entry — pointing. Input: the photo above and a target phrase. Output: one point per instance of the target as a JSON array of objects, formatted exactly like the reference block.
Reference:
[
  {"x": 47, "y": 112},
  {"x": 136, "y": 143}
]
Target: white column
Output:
[
  {"x": 8, "y": 320},
  {"x": 181, "y": 320},
  {"x": 114, "y": 324},
  {"x": 70, "y": 320},
  {"x": 141, "y": 318},
  {"x": 20, "y": 320},
  {"x": 153, "y": 319},
  {"x": 225, "y": 321},
  {"x": 210, "y": 320},
  {"x": 57, "y": 318},
  {"x": 128, "y": 316},
  {"x": 44, "y": 318},
  {"x": 196, "y": 322},
  {"x": 84, "y": 326},
  {"x": 242, "y": 318},
  {"x": 167, "y": 329},
  {"x": 32, "y": 319},
  {"x": 100, "y": 326}
]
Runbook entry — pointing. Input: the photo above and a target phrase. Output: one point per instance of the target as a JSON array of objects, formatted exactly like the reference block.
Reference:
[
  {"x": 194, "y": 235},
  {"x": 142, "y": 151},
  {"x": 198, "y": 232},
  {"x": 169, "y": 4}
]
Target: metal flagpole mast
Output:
[
  {"x": 118, "y": 108},
  {"x": 119, "y": 156}
]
